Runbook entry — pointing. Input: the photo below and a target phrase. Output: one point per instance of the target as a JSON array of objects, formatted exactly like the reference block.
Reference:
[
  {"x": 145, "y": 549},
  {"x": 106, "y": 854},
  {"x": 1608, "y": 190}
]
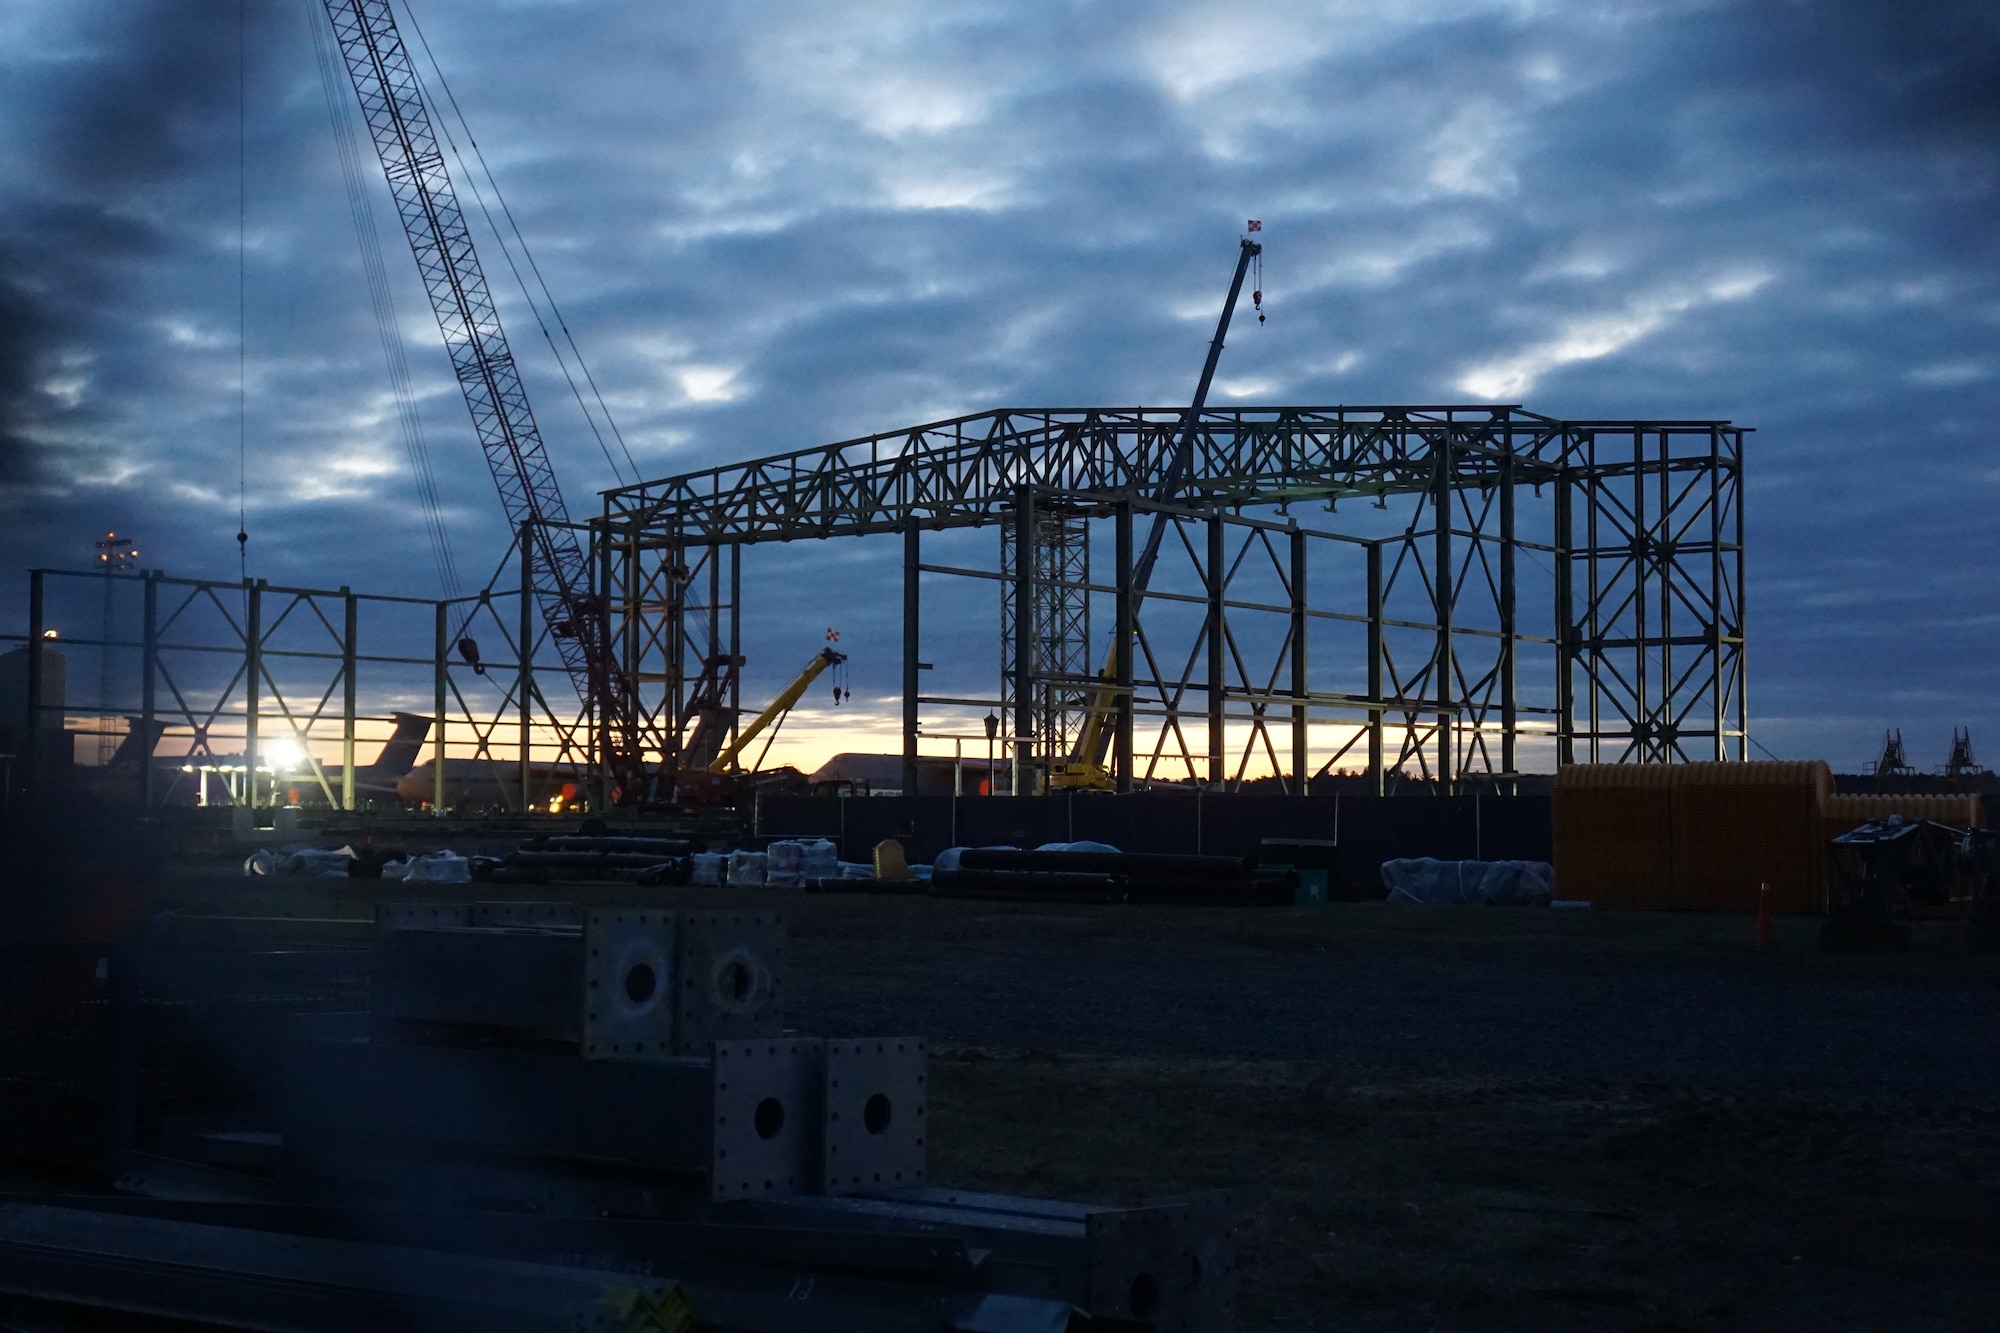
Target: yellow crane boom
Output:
[{"x": 777, "y": 708}]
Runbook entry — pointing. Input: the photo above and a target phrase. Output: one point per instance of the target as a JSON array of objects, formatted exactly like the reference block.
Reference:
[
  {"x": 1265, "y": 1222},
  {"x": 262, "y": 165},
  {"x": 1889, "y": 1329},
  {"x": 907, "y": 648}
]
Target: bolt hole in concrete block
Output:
[
  {"x": 762, "y": 1143},
  {"x": 873, "y": 1132},
  {"x": 628, "y": 984},
  {"x": 735, "y": 982},
  {"x": 1143, "y": 1298}
]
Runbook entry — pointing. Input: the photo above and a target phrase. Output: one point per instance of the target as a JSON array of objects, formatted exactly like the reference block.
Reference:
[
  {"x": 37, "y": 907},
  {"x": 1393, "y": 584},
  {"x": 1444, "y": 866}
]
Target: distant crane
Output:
[
  {"x": 1893, "y": 763},
  {"x": 1085, "y": 767},
  {"x": 1962, "y": 764},
  {"x": 392, "y": 104}
]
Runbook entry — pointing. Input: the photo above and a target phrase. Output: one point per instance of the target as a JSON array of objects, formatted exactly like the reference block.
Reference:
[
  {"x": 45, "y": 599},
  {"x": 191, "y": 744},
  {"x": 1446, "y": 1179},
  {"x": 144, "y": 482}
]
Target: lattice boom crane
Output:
[{"x": 392, "y": 103}]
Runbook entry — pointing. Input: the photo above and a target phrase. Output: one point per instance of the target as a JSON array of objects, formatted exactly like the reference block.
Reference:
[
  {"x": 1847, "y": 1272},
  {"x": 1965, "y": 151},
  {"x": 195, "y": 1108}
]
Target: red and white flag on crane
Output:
[{"x": 1255, "y": 225}]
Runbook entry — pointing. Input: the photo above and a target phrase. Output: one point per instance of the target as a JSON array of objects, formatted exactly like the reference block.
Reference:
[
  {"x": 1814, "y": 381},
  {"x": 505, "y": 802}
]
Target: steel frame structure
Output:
[
  {"x": 1636, "y": 528},
  {"x": 227, "y": 663}
]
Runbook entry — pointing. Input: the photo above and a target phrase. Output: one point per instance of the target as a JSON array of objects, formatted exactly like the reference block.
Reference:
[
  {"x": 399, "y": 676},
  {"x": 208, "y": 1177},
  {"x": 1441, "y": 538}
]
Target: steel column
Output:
[
  {"x": 1719, "y": 695},
  {"x": 1122, "y": 646},
  {"x": 1218, "y": 744},
  {"x": 1742, "y": 619},
  {"x": 524, "y": 685},
  {"x": 1445, "y": 589},
  {"x": 1565, "y": 626},
  {"x": 149, "y": 668},
  {"x": 1300, "y": 776},
  {"x": 1024, "y": 637},
  {"x": 33, "y": 748},
  {"x": 1376, "y": 777},
  {"x": 912, "y": 602},
  {"x": 253, "y": 664},
  {"x": 1509, "y": 701},
  {"x": 350, "y": 625},
  {"x": 441, "y": 678},
  {"x": 735, "y": 637}
]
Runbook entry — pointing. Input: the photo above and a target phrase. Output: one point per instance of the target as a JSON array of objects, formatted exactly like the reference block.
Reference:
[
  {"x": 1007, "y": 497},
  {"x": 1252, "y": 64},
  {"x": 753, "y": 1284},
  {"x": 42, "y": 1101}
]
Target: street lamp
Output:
[{"x": 992, "y": 731}]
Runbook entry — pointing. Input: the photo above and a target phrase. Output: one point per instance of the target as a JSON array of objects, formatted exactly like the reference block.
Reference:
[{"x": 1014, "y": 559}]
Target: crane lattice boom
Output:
[{"x": 392, "y": 103}]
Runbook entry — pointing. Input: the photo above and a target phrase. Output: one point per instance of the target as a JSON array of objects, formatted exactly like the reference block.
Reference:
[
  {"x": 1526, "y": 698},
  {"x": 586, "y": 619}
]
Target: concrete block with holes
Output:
[{"x": 622, "y": 983}]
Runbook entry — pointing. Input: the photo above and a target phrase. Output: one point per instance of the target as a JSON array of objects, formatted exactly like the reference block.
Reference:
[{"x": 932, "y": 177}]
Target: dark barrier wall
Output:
[{"x": 1368, "y": 829}]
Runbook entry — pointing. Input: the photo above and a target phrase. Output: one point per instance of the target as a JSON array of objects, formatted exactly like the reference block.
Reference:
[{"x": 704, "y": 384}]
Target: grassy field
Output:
[
  {"x": 1442, "y": 1119},
  {"x": 1488, "y": 1205}
]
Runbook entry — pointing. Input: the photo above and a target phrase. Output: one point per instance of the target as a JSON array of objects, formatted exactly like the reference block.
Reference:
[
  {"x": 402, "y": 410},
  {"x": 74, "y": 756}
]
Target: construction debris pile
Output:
[
  {"x": 572, "y": 1118},
  {"x": 1890, "y": 870}
]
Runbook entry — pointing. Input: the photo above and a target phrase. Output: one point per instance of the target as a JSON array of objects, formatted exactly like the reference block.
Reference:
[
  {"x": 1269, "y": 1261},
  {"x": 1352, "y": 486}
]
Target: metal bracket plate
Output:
[
  {"x": 419, "y": 916},
  {"x": 766, "y": 1135},
  {"x": 731, "y": 978},
  {"x": 628, "y": 984},
  {"x": 877, "y": 1115},
  {"x": 1170, "y": 1265},
  {"x": 527, "y": 914}
]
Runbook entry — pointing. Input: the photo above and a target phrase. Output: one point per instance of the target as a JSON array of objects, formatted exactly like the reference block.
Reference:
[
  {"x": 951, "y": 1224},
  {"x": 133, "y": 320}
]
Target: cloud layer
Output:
[{"x": 773, "y": 224}]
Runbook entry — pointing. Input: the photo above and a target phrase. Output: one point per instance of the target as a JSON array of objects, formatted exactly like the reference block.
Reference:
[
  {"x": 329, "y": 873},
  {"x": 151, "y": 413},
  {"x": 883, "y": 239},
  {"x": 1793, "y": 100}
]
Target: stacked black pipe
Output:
[
  {"x": 1113, "y": 877},
  {"x": 579, "y": 857}
]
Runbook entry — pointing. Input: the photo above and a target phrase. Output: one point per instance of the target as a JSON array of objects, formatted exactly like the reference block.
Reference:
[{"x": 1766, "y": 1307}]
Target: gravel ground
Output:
[{"x": 1495, "y": 993}]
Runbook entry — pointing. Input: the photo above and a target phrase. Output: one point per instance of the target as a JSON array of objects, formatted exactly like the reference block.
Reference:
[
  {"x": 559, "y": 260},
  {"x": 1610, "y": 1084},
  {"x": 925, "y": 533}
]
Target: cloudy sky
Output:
[{"x": 771, "y": 225}]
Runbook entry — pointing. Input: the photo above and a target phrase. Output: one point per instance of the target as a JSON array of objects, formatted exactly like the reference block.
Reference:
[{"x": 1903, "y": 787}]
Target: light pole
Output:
[{"x": 992, "y": 731}]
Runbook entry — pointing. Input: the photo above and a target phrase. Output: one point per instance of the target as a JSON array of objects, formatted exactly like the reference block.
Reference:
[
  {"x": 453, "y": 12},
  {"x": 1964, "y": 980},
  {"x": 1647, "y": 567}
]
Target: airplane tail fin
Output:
[
  {"x": 400, "y": 751},
  {"x": 136, "y": 745}
]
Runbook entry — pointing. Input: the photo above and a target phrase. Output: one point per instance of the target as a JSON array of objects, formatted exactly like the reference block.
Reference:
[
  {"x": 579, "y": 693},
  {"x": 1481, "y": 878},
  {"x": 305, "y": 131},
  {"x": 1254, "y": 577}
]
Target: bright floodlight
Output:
[{"x": 284, "y": 756}]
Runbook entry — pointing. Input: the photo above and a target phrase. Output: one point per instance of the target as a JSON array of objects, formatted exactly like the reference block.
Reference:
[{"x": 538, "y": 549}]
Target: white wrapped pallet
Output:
[
  {"x": 708, "y": 868},
  {"x": 746, "y": 870},
  {"x": 781, "y": 864},
  {"x": 821, "y": 861}
]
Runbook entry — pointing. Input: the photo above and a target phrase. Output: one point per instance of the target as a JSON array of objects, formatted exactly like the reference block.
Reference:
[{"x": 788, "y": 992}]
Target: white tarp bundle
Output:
[
  {"x": 1494, "y": 883},
  {"x": 306, "y": 861},
  {"x": 439, "y": 868}
]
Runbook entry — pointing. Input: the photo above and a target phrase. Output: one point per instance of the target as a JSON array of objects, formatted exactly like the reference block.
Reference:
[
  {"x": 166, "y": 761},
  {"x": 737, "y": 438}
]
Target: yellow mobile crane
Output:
[
  {"x": 707, "y": 759},
  {"x": 776, "y": 710},
  {"x": 1085, "y": 767}
]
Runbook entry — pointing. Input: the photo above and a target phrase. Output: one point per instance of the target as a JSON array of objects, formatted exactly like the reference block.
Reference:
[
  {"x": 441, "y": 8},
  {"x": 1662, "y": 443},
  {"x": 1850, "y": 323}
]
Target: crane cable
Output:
[
  {"x": 242, "y": 321},
  {"x": 493, "y": 183}
]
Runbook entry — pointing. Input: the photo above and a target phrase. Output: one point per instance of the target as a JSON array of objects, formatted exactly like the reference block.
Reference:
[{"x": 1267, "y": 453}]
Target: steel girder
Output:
[{"x": 1629, "y": 615}]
